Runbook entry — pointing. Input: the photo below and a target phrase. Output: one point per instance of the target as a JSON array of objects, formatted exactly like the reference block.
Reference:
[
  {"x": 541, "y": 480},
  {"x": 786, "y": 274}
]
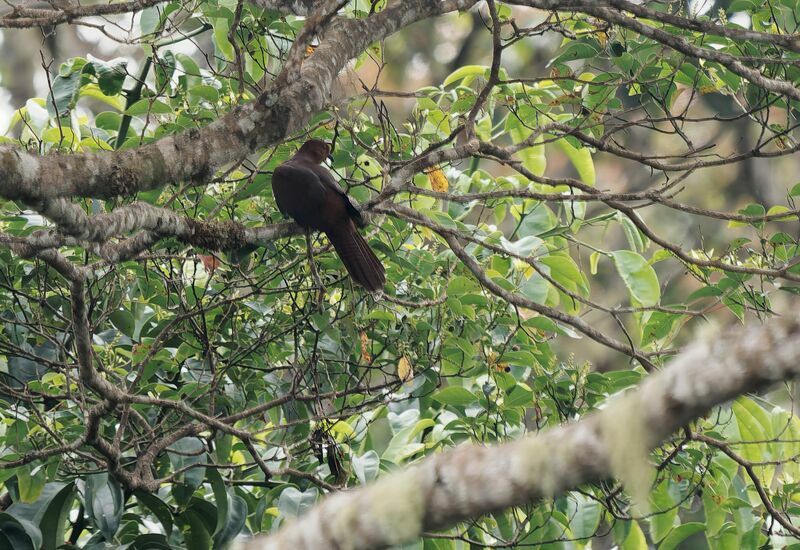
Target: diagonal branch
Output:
[
  {"x": 510, "y": 297},
  {"x": 472, "y": 480},
  {"x": 194, "y": 155}
]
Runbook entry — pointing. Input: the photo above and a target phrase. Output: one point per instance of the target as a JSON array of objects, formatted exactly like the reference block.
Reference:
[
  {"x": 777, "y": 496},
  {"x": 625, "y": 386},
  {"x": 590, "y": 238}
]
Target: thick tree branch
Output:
[
  {"x": 76, "y": 228},
  {"x": 195, "y": 155},
  {"x": 473, "y": 480},
  {"x": 24, "y": 16},
  {"x": 21, "y": 17}
]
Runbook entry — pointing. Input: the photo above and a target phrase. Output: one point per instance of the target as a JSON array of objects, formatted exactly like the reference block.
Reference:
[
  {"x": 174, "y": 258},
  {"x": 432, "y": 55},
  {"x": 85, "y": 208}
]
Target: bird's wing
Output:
[
  {"x": 296, "y": 187},
  {"x": 352, "y": 209}
]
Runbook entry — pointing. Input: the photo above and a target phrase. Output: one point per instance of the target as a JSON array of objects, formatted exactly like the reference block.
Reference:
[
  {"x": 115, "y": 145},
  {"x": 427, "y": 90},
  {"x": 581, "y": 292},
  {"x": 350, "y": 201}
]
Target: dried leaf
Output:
[
  {"x": 365, "y": 355},
  {"x": 438, "y": 180},
  {"x": 210, "y": 262},
  {"x": 405, "y": 371}
]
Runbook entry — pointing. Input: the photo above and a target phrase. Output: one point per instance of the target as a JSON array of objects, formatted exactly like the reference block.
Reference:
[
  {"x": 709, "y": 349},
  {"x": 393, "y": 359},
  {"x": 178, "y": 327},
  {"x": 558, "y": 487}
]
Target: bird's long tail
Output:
[{"x": 364, "y": 267}]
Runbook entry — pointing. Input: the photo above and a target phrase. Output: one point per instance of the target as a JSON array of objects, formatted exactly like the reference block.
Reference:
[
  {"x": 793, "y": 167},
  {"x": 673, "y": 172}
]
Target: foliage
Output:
[{"x": 318, "y": 396}]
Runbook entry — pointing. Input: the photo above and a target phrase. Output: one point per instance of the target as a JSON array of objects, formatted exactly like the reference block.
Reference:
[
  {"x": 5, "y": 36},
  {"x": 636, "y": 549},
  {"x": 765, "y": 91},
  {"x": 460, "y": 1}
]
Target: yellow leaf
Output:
[
  {"x": 438, "y": 180},
  {"x": 365, "y": 355},
  {"x": 405, "y": 371}
]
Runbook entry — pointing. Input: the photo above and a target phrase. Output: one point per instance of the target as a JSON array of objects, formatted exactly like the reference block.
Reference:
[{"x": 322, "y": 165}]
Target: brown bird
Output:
[{"x": 307, "y": 192}]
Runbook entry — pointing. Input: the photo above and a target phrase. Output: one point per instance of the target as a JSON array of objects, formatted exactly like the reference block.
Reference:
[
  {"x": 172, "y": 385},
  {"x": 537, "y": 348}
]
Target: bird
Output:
[{"x": 307, "y": 192}]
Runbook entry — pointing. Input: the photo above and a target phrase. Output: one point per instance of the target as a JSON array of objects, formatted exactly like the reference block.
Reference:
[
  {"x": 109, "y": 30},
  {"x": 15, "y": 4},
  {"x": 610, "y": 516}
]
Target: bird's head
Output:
[{"x": 315, "y": 150}]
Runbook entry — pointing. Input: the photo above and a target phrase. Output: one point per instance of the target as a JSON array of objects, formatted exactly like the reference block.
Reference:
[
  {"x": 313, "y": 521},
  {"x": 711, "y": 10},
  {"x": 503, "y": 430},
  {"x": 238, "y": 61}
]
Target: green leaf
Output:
[
  {"x": 587, "y": 517},
  {"x": 223, "y": 45},
  {"x": 50, "y": 512},
  {"x": 533, "y": 158},
  {"x": 202, "y": 91},
  {"x": 108, "y": 120},
  {"x": 150, "y": 541},
  {"x": 195, "y": 529},
  {"x": 519, "y": 396},
  {"x": 780, "y": 209},
  {"x": 636, "y": 240},
  {"x": 467, "y": 73},
  {"x": 665, "y": 512},
  {"x": 186, "y": 453},
  {"x": 124, "y": 321},
  {"x": 744, "y": 5},
  {"x": 93, "y": 91},
  {"x": 535, "y": 289},
  {"x": 60, "y": 136},
  {"x": 20, "y": 534},
  {"x": 660, "y": 325},
  {"x": 679, "y": 534},
  {"x": 64, "y": 94},
  {"x": 164, "y": 69},
  {"x": 110, "y": 74},
  {"x": 577, "y": 49},
  {"x": 639, "y": 277},
  {"x": 455, "y": 395},
  {"x": 158, "y": 507},
  {"x": 594, "y": 258},
  {"x": 103, "y": 501},
  {"x": 191, "y": 71},
  {"x": 715, "y": 515},
  {"x": 635, "y": 539},
  {"x": 366, "y": 466},
  {"x": 566, "y": 272},
  {"x": 149, "y": 106},
  {"x": 30, "y": 484},
  {"x": 519, "y": 128},
  {"x": 235, "y": 521},
  {"x": 220, "y": 498},
  {"x": 459, "y": 285},
  {"x": 752, "y": 210},
  {"x": 581, "y": 159},
  {"x": 151, "y": 19},
  {"x": 293, "y": 502}
]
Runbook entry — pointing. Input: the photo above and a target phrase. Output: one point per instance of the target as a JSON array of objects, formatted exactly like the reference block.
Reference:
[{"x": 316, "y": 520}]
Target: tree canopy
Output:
[{"x": 565, "y": 194}]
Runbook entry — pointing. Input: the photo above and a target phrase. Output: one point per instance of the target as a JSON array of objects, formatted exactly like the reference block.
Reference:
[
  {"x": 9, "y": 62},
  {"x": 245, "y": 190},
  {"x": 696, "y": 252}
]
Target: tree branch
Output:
[
  {"x": 195, "y": 155},
  {"x": 472, "y": 480}
]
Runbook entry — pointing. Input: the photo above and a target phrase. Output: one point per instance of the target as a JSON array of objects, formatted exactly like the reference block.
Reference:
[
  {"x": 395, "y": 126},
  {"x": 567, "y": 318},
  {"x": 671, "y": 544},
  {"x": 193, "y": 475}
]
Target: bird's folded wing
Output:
[{"x": 352, "y": 209}]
